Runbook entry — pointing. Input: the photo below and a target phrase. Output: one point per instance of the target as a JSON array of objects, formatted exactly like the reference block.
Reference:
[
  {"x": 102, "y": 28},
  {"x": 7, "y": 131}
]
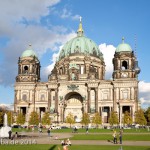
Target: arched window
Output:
[
  {"x": 42, "y": 97},
  {"x": 124, "y": 65},
  {"x": 82, "y": 69},
  {"x": 24, "y": 97},
  {"x": 26, "y": 69},
  {"x": 73, "y": 76}
]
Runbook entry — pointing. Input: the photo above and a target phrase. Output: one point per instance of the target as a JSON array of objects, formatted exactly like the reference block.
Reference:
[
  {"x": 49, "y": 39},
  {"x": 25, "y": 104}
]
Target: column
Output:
[
  {"x": 39, "y": 70},
  {"x": 132, "y": 114},
  {"x": 129, "y": 67},
  {"x": 136, "y": 100},
  {"x": 118, "y": 93},
  {"x": 96, "y": 99},
  {"x": 87, "y": 68},
  {"x": 34, "y": 97},
  {"x": 114, "y": 99},
  {"x": 30, "y": 68},
  {"x": 89, "y": 100},
  {"x": 100, "y": 111},
  {"x": 56, "y": 100},
  {"x": 111, "y": 95},
  {"x": 102, "y": 115},
  {"x": 109, "y": 111},
  {"x": 19, "y": 95},
  {"x": 66, "y": 69},
  {"x": 15, "y": 96},
  {"x": 49, "y": 99},
  {"x": 120, "y": 116}
]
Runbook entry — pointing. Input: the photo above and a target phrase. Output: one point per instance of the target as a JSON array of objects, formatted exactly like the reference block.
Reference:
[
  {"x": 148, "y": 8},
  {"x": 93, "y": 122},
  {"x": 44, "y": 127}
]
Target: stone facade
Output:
[{"x": 77, "y": 84}]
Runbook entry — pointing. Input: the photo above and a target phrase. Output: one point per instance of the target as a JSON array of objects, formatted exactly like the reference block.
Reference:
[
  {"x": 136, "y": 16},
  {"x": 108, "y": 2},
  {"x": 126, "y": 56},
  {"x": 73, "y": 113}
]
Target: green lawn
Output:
[
  {"x": 83, "y": 130},
  {"x": 128, "y": 137},
  {"x": 101, "y": 130},
  {"x": 73, "y": 147}
]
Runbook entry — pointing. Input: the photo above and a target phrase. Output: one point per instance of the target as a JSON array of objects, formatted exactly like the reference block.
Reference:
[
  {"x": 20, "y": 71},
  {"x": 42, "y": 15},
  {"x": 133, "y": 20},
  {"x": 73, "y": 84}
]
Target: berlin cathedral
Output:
[{"x": 77, "y": 82}]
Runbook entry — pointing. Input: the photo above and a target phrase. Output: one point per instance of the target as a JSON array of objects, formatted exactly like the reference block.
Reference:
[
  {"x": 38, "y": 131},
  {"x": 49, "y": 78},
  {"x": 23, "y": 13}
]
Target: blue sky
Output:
[{"x": 48, "y": 24}]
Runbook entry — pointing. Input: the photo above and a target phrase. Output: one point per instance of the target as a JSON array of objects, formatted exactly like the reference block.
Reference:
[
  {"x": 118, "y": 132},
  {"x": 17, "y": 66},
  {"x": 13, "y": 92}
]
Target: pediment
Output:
[{"x": 23, "y": 102}]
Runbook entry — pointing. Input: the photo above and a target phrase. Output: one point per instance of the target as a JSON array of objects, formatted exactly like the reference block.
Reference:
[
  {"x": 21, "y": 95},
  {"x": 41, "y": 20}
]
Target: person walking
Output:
[
  {"x": 87, "y": 130},
  {"x": 120, "y": 135},
  {"x": 49, "y": 132},
  {"x": 10, "y": 132},
  {"x": 115, "y": 137}
]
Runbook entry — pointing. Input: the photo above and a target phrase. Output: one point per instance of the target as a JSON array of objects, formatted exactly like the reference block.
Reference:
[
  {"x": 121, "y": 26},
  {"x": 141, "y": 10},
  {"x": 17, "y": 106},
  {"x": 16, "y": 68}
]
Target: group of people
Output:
[
  {"x": 12, "y": 136},
  {"x": 65, "y": 144},
  {"x": 115, "y": 136}
]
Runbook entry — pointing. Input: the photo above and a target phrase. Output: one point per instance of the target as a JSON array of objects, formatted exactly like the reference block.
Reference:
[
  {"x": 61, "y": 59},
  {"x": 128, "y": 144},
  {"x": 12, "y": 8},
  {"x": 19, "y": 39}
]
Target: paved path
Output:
[{"x": 44, "y": 139}]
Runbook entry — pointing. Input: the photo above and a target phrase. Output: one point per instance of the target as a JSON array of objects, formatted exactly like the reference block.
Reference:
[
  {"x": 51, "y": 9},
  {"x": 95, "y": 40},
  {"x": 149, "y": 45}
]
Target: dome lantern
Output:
[
  {"x": 80, "y": 29},
  {"x": 29, "y": 52},
  {"x": 123, "y": 47}
]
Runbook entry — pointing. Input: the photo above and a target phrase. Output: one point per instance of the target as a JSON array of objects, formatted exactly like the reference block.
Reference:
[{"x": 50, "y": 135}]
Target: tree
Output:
[
  {"x": 1, "y": 117},
  {"x": 147, "y": 114},
  {"x": 85, "y": 119},
  {"x": 113, "y": 119},
  {"x": 10, "y": 118},
  {"x": 127, "y": 119},
  {"x": 34, "y": 118},
  {"x": 46, "y": 119},
  {"x": 70, "y": 119},
  {"x": 20, "y": 119},
  {"x": 97, "y": 120},
  {"x": 3, "y": 110},
  {"x": 140, "y": 118}
]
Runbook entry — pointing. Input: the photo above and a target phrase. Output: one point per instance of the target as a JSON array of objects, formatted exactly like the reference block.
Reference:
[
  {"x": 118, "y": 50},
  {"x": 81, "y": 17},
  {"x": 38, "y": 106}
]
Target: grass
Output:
[
  {"x": 83, "y": 130},
  {"x": 73, "y": 147},
  {"x": 126, "y": 137},
  {"x": 101, "y": 130}
]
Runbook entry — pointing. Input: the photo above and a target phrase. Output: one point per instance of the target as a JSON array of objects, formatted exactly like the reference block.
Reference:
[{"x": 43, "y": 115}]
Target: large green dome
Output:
[
  {"x": 123, "y": 47},
  {"x": 80, "y": 45},
  {"x": 29, "y": 53}
]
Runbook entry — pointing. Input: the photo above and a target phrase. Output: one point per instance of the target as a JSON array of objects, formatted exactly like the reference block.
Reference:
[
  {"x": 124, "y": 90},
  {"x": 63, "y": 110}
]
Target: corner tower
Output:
[
  {"x": 124, "y": 62},
  {"x": 28, "y": 67}
]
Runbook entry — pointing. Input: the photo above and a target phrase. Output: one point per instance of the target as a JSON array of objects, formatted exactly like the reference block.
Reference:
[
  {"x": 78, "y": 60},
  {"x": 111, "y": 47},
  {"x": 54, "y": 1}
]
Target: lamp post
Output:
[
  {"x": 57, "y": 118},
  {"x": 119, "y": 115},
  {"x": 62, "y": 106}
]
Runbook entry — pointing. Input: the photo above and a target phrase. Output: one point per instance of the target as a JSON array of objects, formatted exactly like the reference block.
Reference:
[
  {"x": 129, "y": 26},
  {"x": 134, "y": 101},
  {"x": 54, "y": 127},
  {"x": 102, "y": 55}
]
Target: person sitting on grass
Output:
[
  {"x": 68, "y": 142},
  {"x": 65, "y": 146}
]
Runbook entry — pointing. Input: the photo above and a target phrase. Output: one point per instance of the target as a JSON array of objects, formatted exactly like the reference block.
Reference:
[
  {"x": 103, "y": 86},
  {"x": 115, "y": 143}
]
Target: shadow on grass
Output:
[
  {"x": 53, "y": 147},
  {"x": 110, "y": 141}
]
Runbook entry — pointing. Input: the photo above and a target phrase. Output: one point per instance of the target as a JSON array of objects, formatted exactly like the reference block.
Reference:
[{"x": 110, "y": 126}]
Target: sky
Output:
[{"x": 49, "y": 24}]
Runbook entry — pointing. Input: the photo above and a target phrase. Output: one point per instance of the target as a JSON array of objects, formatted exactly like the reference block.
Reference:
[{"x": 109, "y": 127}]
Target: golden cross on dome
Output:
[
  {"x": 80, "y": 19},
  {"x": 122, "y": 39}
]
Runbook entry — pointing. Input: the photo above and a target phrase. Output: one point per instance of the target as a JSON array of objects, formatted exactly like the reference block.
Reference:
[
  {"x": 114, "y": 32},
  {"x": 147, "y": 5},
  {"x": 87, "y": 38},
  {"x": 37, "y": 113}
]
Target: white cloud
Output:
[
  {"x": 144, "y": 87},
  {"x": 47, "y": 70},
  {"x": 21, "y": 35},
  {"x": 66, "y": 13},
  {"x": 75, "y": 17},
  {"x": 30, "y": 10},
  {"x": 144, "y": 93},
  {"x": 7, "y": 106},
  {"x": 108, "y": 54}
]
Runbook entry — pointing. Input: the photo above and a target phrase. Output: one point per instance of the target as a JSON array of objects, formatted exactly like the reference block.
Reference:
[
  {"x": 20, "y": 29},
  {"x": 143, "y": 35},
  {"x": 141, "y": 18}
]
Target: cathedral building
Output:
[{"x": 77, "y": 82}]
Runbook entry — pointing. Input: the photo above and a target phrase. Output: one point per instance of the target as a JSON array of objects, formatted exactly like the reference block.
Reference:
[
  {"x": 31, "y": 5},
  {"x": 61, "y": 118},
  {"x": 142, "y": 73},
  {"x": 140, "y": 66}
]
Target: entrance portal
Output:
[{"x": 74, "y": 106}]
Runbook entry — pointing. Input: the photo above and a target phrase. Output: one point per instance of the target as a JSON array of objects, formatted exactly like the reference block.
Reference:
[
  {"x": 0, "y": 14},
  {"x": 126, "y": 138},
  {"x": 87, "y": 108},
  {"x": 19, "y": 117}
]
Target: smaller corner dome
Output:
[
  {"x": 29, "y": 52},
  {"x": 123, "y": 47}
]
